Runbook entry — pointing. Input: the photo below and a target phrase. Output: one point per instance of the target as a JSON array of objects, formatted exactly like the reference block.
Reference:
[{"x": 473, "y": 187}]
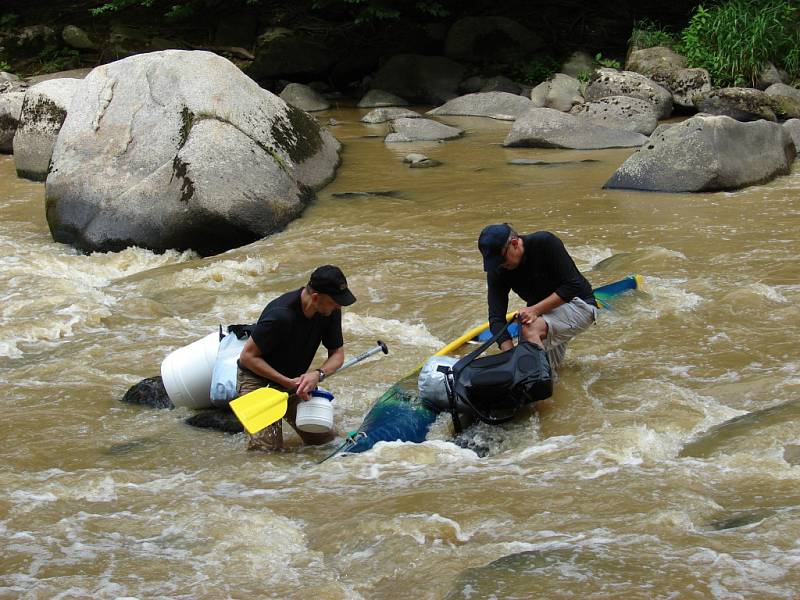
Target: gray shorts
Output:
[{"x": 563, "y": 324}]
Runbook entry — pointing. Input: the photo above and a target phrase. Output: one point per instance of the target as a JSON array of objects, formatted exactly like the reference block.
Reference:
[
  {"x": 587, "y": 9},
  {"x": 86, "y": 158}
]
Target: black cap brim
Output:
[
  {"x": 343, "y": 298},
  {"x": 492, "y": 262}
]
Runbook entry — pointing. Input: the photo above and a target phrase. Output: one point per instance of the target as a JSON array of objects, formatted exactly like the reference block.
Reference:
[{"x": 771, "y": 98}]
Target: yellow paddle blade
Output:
[{"x": 260, "y": 408}]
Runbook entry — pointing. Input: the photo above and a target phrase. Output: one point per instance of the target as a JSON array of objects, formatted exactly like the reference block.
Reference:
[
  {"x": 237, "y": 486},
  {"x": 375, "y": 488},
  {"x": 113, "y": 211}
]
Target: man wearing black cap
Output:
[
  {"x": 285, "y": 340},
  {"x": 560, "y": 302}
]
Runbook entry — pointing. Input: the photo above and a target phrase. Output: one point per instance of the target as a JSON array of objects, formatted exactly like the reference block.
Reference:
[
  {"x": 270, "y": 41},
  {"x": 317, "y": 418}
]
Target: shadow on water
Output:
[{"x": 725, "y": 433}]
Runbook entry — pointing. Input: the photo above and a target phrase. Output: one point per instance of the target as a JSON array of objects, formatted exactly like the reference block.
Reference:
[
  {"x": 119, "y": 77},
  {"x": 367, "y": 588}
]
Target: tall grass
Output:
[{"x": 734, "y": 39}]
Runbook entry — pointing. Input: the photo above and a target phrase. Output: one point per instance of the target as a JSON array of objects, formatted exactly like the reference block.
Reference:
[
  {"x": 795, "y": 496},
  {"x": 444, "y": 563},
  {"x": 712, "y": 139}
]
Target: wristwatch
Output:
[{"x": 321, "y": 375}]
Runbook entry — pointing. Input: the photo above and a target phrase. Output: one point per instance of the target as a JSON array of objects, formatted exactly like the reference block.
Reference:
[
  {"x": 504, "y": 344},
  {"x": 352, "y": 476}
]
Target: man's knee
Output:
[{"x": 536, "y": 331}]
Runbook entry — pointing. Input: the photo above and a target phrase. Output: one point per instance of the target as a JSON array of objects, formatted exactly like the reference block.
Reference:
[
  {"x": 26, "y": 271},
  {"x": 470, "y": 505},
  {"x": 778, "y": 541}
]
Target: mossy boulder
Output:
[
  {"x": 742, "y": 104},
  {"x": 181, "y": 150}
]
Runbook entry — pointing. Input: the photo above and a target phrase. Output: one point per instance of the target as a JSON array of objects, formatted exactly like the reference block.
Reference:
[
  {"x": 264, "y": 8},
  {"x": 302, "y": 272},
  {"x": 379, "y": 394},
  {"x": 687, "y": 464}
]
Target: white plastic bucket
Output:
[
  {"x": 315, "y": 415},
  {"x": 187, "y": 372}
]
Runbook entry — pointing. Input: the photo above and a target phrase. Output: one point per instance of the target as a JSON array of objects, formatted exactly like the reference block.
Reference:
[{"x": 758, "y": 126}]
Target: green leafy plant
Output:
[
  {"x": 648, "y": 34},
  {"x": 4, "y": 66},
  {"x": 8, "y": 20},
  {"x": 53, "y": 58},
  {"x": 365, "y": 11},
  {"x": 533, "y": 71},
  {"x": 609, "y": 63},
  {"x": 734, "y": 39}
]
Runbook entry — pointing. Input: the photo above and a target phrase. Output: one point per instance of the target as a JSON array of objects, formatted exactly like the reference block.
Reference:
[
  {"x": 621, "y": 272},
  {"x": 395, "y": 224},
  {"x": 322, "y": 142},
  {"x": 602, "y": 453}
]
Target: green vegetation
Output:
[
  {"x": 4, "y": 66},
  {"x": 534, "y": 71},
  {"x": 54, "y": 58},
  {"x": 609, "y": 63},
  {"x": 649, "y": 34},
  {"x": 734, "y": 39}
]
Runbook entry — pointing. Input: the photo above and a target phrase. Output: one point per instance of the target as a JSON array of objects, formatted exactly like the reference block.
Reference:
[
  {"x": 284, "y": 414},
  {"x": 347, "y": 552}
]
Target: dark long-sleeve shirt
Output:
[{"x": 546, "y": 267}]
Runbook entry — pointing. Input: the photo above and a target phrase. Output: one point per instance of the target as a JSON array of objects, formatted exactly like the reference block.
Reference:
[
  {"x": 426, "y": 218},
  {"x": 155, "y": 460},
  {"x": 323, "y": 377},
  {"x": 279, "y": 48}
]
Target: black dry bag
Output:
[{"x": 494, "y": 387}]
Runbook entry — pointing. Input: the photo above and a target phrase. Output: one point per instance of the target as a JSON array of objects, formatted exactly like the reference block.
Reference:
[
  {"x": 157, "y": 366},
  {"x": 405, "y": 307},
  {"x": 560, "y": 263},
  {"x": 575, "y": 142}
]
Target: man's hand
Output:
[
  {"x": 527, "y": 315},
  {"x": 307, "y": 383}
]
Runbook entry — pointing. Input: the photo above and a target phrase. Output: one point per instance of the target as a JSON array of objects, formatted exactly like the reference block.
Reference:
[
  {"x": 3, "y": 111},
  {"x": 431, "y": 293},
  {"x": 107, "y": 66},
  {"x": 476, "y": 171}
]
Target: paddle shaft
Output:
[{"x": 381, "y": 347}]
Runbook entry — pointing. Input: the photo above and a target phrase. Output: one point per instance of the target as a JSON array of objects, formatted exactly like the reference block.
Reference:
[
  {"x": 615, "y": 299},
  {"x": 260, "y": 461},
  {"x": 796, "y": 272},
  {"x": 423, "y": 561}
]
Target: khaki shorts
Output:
[
  {"x": 563, "y": 324},
  {"x": 270, "y": 438}
]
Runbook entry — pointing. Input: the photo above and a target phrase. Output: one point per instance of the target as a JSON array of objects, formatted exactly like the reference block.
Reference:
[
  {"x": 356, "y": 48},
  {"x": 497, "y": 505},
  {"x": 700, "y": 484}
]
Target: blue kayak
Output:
[{"x": 400, "y": 415}]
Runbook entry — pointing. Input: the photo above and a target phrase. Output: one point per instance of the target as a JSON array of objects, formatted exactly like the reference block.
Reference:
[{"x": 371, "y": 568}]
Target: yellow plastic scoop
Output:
[{"x": 260, "y": 408}]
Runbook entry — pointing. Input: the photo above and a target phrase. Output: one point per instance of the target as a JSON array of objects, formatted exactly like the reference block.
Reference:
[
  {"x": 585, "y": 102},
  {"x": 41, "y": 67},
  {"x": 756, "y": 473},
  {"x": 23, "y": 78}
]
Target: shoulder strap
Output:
[{"x": 464, "y": 361}]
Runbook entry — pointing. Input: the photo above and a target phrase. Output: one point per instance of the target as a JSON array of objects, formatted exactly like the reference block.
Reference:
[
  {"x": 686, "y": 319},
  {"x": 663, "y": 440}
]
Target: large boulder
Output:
[
  {"x": 485, "y": 104},
  {"x": 786, "y": 98},
  {"x": 44, "y": 109},
  {"x": 560, "y": 92},
  {"x": 610, "y": 82},
  {"x": 742, "y": 104},
  {"x": 10, "y": 109},
  {"x": 649, "y": 61},
  {"x": 420, "y": 79},
  {"x": 420, "y": 130},
  {"x": 793, "y": 127},
  {"x": 305, "y": 98},
  {"x": 550, "y": 128},
  {"x": 620, "y": 112},
  {"x": 379, "y": 99},
  {"x": 489, "y": 39},
  {"x": 178, "y": 149},
  {"x": 286, "y": 54},
  {"x": 707, "y": 153}
]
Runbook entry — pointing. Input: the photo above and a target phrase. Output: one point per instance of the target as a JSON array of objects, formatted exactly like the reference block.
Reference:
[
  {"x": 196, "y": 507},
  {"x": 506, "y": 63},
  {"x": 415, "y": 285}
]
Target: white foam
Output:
[{"x": 402, "y": 332}]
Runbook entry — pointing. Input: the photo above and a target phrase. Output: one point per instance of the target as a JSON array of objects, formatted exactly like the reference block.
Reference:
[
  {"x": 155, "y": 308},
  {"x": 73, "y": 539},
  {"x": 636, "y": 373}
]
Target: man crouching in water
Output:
[
  {"x": 283, "y": 344},
  {"x": 560, "y": 302}
]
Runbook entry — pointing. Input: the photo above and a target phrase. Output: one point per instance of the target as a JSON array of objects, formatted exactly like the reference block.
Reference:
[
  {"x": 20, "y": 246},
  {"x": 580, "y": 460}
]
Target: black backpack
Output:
[{"x": 493, "y": 388}]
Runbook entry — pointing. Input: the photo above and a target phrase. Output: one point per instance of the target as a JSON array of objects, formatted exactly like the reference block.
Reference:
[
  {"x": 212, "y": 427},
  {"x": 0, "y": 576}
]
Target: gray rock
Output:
[
  {"x": 304, "y": 97},
  {"x": 770, "y": 75},
  {"x": 791, "y": 454},
  {"x": 610, "y": 82},
  {"x": 44, "y": 109},
  {"x": 499, "y": 83},
  {"x": 379, "y": 98},
  {"x": 560, "y": 92},
  {"x": 178, "y": 149},
  {"x": 421, "y": 130},
  {"x": 11, "y": 83},
  {"x": 381, "y": 115},
  {"x": 686, "y": 85},
  {"x": 787, "y": 100},
  {"x": 620, "y": 112},
  {"x": 707, "y": 154},
  {"x": 10, "y": 109},
  {"x": 281, "y": 53},
  {"x": 549, "y": 128},
  {"x": 421, "y": 79},
  {"x": 793, "y": 127},
  {"x": 742, "y": 104},
  {"x": 425, "y": 164},
  {"x": 482, "y": 39},
  {"x": 658, "y": 59},
  {"x": 77, "y": 38},
  {"x": 414, "y": 157},
  {"x": 485, "y": 104},
  {"x": 578, "y": 63},
  {"x": 70, "y": 74}
]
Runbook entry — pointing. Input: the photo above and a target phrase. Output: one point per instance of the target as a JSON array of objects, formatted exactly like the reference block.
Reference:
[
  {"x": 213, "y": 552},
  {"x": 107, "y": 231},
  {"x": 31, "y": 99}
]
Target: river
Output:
[{"x": 590, "y": 496}]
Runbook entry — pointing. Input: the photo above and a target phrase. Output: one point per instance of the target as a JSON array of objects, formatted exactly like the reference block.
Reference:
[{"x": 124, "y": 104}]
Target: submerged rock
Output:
[
  {"x": 381, "y": 115},
  {"x": 219, "y": 420},
  {"x": 149, "y": 392},
  {"x": 707, "y": 154},
  {"x": 180, "y": 150}
]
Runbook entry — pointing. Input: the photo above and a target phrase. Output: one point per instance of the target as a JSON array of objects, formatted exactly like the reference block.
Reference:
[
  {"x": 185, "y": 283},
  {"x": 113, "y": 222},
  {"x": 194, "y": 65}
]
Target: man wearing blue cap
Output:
[
  {"x": 283, "y": 344},
  {"x": 560, "y": 302}
]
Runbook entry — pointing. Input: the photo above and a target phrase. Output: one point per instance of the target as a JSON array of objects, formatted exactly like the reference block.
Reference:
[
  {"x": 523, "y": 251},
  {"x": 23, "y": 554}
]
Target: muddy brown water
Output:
[{"x": 588, "y": 497}]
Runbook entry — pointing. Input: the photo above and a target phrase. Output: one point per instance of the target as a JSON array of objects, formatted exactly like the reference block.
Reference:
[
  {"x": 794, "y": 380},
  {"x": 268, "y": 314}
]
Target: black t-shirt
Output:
[
  {"x": 288, "y": 340},
  {"x": 546, "y": 267}
]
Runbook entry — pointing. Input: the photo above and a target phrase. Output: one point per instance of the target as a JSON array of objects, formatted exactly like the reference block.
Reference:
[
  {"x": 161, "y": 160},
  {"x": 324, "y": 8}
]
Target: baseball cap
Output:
[
  {"x": 330, "y": 280},
  {"x": 491, "y": 243}
]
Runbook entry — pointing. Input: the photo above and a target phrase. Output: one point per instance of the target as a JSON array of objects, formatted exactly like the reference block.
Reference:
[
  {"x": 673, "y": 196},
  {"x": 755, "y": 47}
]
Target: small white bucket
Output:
[
  {"x": 316, "y": 414},
  {"x": 187, "y": 372}
]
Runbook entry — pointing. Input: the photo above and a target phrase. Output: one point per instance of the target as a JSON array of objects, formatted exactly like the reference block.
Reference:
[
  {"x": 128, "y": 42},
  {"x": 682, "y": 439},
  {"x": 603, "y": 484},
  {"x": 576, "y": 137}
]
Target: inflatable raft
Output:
[{"x": 400, "y": 415}]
